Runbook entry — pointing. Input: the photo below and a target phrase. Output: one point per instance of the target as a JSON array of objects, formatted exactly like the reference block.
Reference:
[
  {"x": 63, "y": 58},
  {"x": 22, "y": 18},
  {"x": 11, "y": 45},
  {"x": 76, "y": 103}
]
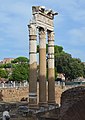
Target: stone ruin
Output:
[
  {"x": 72, "y": 106},
  {"x": 41, "y": 24}
]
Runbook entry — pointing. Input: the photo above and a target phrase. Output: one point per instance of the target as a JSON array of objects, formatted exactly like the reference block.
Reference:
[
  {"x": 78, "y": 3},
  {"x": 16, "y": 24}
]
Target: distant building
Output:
[
  {"x": 7, "y": 60},
  {"x": 1, "y": 62},
  {"x": 84, "y": 63},
  {"x": 61, "y": 77},
  {"x": 2, "y": 80}
]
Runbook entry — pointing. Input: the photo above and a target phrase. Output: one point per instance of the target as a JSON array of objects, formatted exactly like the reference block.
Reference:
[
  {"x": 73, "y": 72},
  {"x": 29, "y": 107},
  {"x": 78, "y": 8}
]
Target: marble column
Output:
[
  {"x": 51, "y": 75},
  {"x": 33, "y": 65},
  {"x": 42, "y": 67}
]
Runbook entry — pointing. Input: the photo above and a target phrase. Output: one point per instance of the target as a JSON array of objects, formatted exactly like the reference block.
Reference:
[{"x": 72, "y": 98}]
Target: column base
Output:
[
  {"x": 53, "y": 105},
  {"x": 33, "y": 106},
  {"x": 43, "y": 104},
  {"x": 51, "y": 102}
]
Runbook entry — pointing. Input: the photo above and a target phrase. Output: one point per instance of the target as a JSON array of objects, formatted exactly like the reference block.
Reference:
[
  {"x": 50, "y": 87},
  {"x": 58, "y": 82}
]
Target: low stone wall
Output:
[
  {"x": 13, "y": 94},
  {"x": 20, "y": 93}
]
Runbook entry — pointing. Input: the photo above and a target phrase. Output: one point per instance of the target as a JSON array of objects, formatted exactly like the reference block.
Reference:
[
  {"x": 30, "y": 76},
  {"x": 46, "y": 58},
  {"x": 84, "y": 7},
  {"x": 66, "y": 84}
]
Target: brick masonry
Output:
[
  {"x": 13, "y": 94},
  {"x": 17, "y": 94}
]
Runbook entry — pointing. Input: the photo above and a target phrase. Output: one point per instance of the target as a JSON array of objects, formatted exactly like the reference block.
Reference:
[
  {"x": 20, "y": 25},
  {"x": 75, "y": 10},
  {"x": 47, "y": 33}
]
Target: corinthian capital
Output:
[
  {"x": 50, "y": 35},
  {"x": 42, "y": 33},
  {"x": 32, "y": 29}
]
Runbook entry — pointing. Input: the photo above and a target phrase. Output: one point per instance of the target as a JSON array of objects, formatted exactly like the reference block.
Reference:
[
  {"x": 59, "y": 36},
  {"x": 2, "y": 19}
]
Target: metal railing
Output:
[{"x": 13, "y": 84}]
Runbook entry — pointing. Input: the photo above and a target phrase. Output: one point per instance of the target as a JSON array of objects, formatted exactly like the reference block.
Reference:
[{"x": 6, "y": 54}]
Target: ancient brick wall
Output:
[
  {"x": 16, "y": 94},
  {"x": 13, "y": 94}
]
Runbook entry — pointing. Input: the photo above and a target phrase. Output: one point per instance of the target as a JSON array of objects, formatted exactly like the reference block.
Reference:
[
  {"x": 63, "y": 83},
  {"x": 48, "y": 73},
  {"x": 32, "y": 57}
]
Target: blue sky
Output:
[{"x": 69, "y": 26}]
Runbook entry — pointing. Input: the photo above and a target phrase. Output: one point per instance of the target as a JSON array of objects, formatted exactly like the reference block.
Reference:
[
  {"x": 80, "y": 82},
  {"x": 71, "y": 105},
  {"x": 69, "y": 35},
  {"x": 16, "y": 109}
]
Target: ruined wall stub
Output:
[{"x": 43, "y": 21}]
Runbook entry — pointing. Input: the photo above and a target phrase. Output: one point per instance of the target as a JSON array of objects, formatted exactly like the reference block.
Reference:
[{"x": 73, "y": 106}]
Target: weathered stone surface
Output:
[
  {"x": 73, "y": 104},
  {"x": 76, "y": 111},
  {"x": 32, "y": 64},
  {"x": 42, "y": 21},
  {"x": 13, "y": 94},
  {"x": 42, "y": 17},
  {"x": 51, "y": 71},
  {"x": 16, "y": 94}
]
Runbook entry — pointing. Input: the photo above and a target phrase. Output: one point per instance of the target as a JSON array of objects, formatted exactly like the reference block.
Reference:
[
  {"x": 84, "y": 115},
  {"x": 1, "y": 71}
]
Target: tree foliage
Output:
[
  {"x": 64, "y": 63},
  {"x": 20, "y": 72},
  {"x": 77, "y": 68},
  {"x": 3, "y": 73},
  {"x": 20, "y": 60},
  {"x": 71, "y": 67}
]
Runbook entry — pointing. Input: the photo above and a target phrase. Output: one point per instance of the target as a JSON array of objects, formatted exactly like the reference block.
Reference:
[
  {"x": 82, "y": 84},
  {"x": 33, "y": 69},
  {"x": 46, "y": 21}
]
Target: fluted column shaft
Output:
[
  {"x": 42, "y": 67},
  {"x": 33, "y": 65},
  {"x": 51, "y": 75}
]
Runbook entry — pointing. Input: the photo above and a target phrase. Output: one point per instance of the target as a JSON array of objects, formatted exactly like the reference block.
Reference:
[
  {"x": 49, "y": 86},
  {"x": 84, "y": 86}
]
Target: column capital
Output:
[
  {"x": 51, "y": 35},
  {"x": 32, "y": 29}
]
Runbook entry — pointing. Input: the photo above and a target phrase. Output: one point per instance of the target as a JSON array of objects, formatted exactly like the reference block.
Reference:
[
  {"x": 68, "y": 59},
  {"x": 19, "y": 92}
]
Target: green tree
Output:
[
  {"x": 77, "y": 68},
  {"x": 8, "y": 65},
  {"x": 71, "y": 67},
  {"x": 20, "y": 72},
  {"x": 62, "y": 63},
  {"x": 3, "y": 73},
  {"x": 20, "y": 60},
  {"x": 58, "y": 49}
]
